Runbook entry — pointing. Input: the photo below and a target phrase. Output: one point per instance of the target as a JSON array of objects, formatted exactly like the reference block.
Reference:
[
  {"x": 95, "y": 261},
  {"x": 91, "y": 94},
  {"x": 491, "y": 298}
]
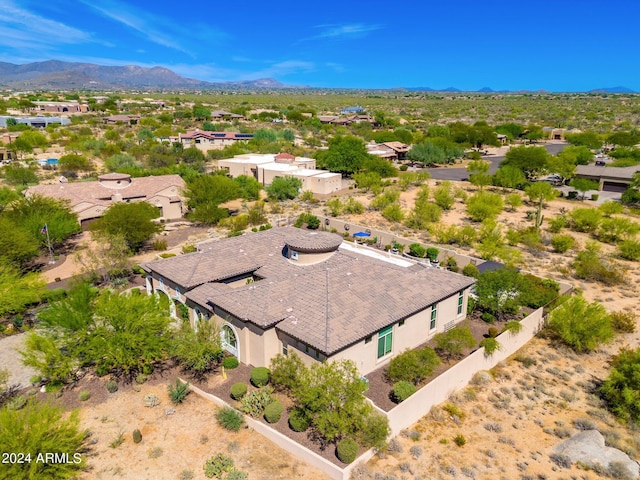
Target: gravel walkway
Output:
[{"x": 12, "y": 361}]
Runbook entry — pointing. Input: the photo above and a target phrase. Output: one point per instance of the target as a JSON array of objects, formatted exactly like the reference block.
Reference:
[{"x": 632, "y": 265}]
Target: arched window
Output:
[{"x": 230, "y": 339}]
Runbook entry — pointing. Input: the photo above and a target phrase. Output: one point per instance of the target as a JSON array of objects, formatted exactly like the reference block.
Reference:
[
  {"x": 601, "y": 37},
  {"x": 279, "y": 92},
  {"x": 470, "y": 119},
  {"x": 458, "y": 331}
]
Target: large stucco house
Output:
[
  {"x": 292, "y": 290},
  {"x": 90, "y": 200}
]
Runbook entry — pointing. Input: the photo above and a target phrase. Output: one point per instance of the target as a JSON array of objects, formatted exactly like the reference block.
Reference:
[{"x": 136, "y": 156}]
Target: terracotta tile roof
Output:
[
  {"x": 95, "y": 193},
  {"x": 328, "y": 305}
]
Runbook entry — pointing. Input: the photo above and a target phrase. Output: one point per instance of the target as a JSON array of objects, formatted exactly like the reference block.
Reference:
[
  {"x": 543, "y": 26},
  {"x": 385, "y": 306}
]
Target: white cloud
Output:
[
  {"x": 22, "y": 29},
  {"x": 352, "y": 30}
]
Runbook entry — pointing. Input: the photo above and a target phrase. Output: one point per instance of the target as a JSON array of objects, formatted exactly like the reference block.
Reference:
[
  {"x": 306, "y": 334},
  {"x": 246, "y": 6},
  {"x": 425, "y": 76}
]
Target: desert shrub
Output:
[
  {"x": 137, "y": 436},
  {"x": 237, "y": 475},
  {"x": 41, "y": 427},
  {"x": 230, "y": 362},
  {"x": 470, "y": 270},
  {"x": 229, "y": 418},
  {"x": 84, "y": 395},
  {"x": 17, "y": 403},
  {"x": 298, "y": 420},
  {"x": 562, "y": 243},
  {"x": 613, "y": 230},
  {"x": 459, "y": 440},
  {"x": 492, "y": 332},
  {"x": 589, "y": 264},
  {"x": 629, "y": 250},
  {"x": 273, "y": 412},
  {"x": 256, "y": 401},
  {"x": 417, "y": 250},
  {"x": 353, "y": 206},
  {"x": 413, "y": 365},
  {"x": 621, "y": 389},
  {"x": 238, "y": 390},
  {"x": 581, "y": 325},
  {"x": 490, "y": 345},
  {"x": 112, "y": 386},
  {"x": 393, "y": 212},
  {"x": 374, "y": 432},
  {"x": 623, "y": 322},
  {"x": 451, "y": 264},
  {"x": 537, "y": 292},
  {"x": 585, "y": 219},
  {"x": 610, "y": 207},
  {"x": 558, "y": 223},
  {"x": 347, "y": 450},
  {"x": 453, "y": 342},
  {"x": 563, "y": 461},
  {"x": 217, "y": 466},
  {"x": 484, "y": 205},
  {"x": 584, "y": 424},
  {"x": 403, "y": 390},
  {"x": 260, "y": 376},
  {"x": 285, "y": 371},
  {"x": 178, "y": 391}
]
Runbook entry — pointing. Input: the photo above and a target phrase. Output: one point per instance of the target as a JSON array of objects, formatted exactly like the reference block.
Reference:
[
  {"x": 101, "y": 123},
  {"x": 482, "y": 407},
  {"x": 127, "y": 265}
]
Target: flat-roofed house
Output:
[
  {"x": 290, "y": 290},
  {"x": 90, "y": 199}
]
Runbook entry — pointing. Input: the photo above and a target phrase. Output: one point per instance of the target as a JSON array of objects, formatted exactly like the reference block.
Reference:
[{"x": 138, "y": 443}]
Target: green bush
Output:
[
  {"x": 299, "y": 421},
  {"x": 556, "y": 224},
  {"x": 413, "y": 365},
  {"x": 260, "y": 376},
  {"x": 432, "y": 253},
  {"x": 590, "y": 265},
  {"x": 453, "y": 342},
  {"x": 487, "y": 317},
  {"x": 230, "y": 363},
  {"x": 273, "y": 412},
  {"x": 585, "y": 219},
  {"x": 347, "y": 450},
  {"x": 178, "y": 392},
  {"x": 285, "y": 371},
  {"x": 84, "y": 395},
  {"x": 137, "y": 436},
  {"x": 621, "y": 389},
  {"x": 17, "y": 403},
  {"x": 629, "y": 250},
  {"x": 459, "y": 440},
  {"x": 562, "y": 243},
  {"x": 238, "y": 390},
  {"x": 403, "y": 390},
  {"x": 229, "y": 418},
  {"x": 484, "y": 205},
  {"x": 417, "y": 250},
  {"x": 492, "y": 332},
  {"x": 112, "y": 386},
  {"x": 256, "y": 401},
  {"x": 470, "y": 270},
  {"x": 490, "y": 345}
]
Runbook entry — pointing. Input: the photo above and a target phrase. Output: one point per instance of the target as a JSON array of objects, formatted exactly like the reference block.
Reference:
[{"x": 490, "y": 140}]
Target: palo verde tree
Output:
[
  {"x": 583, "y": 326},
  {"x": 532, "y": 161},
  {"x": 479, "y": 173},
  {"x": 131, "y": 221},
  {"x": 284, "y": 188},
  {"x": 118, "y": 332},
  {"x": 41, "y": 428},
  {"x": 204, "y": 195}
]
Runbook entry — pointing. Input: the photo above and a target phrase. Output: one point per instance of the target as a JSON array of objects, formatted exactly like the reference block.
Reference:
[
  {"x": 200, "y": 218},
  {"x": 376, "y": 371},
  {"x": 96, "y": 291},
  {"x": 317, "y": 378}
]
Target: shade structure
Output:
[{"x": 362, "y": 234}]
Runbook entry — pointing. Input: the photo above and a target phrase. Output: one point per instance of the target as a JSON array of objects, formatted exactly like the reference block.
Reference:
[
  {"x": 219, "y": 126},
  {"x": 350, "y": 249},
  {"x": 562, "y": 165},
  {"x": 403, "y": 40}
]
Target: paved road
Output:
[{"x": 460, "y": 173}]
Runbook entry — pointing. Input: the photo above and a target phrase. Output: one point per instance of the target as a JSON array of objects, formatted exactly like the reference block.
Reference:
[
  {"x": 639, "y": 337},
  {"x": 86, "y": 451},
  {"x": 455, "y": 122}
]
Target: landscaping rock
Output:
[{"x": 588, "y": 448}]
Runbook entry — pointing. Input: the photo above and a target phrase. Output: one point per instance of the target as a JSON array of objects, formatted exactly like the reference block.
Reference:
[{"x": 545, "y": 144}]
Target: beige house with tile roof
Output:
[
  {"x": 90, "y": 199},
  {"x": 289, "y": 289}
]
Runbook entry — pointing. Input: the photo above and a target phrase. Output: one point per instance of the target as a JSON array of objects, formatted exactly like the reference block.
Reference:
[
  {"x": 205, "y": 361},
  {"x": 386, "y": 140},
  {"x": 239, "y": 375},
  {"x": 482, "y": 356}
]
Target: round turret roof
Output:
[
  {"x": 114, "y": 176},
  {"x": 304, "y": 241}
]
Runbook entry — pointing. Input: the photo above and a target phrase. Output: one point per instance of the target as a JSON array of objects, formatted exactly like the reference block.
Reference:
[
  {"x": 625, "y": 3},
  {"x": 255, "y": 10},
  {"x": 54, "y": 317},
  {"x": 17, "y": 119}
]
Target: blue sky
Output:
[{"x": 565, "y": 45}]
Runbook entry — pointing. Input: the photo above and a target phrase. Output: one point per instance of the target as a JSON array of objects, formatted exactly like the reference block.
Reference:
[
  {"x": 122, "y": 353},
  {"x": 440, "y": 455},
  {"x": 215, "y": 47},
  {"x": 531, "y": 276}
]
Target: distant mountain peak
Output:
[{"x": 612, "y": 90}]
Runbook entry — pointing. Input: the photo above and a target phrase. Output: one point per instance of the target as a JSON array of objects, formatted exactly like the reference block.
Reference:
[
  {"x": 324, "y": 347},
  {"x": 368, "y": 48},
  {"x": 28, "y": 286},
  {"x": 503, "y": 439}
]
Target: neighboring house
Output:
[
  {"x": 392, "y": 151},
  {"x": 291, "y": 290},
  {"x": 222, "y": 115},
  {"x": 90, "y": 199},
  {"x": 36, "y": 122},
  {"x": 126, "y": 119},
  {"x": 558, "y": 133},
  {"x": 267, "y": 167},
  {"x": 6, "y": 154},
  {"x": 61, "y": 107},
  {"x": 205, "y": 140},
  {"x": 610, "y": 179},
  {"x": 336, "y": 120}
]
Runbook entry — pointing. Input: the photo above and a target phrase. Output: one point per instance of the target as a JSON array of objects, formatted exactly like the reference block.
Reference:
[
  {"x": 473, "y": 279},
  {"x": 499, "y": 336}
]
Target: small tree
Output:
[
  {"x": 583, "y": 326},
  {"x": 198, "y": 351},
  {"x": 479, "y": 173},
  {"x": 132, "y": 221},
  {"x": 583, "y": 185}
]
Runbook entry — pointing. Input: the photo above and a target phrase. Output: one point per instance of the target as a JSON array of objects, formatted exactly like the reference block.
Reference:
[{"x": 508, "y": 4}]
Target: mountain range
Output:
[{"x": 55, "y": 74}]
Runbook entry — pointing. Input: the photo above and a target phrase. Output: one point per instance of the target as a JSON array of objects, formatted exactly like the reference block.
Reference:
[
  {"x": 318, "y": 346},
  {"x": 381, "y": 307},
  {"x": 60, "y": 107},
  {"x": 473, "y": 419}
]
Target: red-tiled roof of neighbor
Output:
[
  {"x": 328, "y": 305},
  {"x": 96, "y": 193}
]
